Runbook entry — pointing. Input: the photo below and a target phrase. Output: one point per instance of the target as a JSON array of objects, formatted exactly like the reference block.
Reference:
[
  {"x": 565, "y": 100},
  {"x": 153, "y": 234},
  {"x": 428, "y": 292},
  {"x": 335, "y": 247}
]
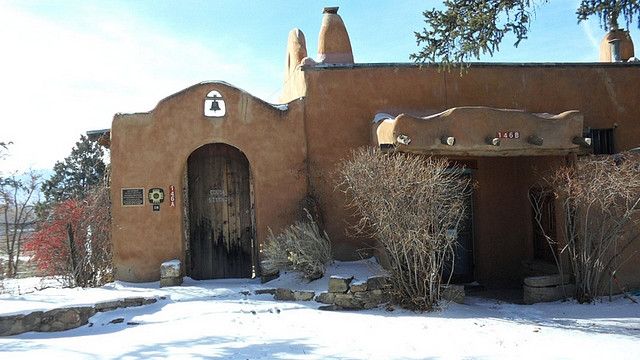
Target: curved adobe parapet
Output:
[
  {"x": 296, "y": 51},
  {"x": 217, "y": 84},
  {"x": 482, "y": 131},
  {"x": 625, "y": 43},
  {"x": 143, "y": 118},
  {"x": 150, "y": 151},
  {"x": 334, "y": 46}
]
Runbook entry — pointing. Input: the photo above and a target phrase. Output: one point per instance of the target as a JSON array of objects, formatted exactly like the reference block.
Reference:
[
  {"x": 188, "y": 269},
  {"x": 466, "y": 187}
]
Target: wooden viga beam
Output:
[
  {"x": 535, "y": 140},
  {"x": 582, "y": 141},
  {"x": 493, "y": 141}
]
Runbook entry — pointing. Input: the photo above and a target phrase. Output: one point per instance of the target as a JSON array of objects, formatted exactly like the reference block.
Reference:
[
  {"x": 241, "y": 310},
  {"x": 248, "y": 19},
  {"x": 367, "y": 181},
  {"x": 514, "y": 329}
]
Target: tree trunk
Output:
[{"x": 72, "y": 254}]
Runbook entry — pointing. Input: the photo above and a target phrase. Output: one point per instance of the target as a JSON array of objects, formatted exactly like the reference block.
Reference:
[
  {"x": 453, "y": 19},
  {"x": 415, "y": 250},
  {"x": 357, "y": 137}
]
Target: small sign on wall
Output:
[
  {"x": 508, "y": 135},
  {"x": 214, "y": 105},
  {"x": 172, "y": 196},
  {"x": 156, "y": 197},
  {"x": 216, "y": 196},
  {"x": 132, "y": 196}
]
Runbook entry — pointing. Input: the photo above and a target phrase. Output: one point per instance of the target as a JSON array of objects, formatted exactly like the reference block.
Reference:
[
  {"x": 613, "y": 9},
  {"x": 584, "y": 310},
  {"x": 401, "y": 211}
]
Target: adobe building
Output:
[{"x": 224, "y": 167}]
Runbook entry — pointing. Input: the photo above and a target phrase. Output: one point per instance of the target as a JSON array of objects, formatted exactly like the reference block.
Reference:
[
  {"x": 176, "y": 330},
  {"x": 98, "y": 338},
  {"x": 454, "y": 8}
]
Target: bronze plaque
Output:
[{"x": 133, "y": 197}]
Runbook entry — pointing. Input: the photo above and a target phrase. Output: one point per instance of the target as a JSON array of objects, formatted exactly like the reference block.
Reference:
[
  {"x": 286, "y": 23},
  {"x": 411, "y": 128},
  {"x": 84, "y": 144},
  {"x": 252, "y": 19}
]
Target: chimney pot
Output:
[
  {"x": 330, "y": 10},
  {"x": 615, "y": 50}
]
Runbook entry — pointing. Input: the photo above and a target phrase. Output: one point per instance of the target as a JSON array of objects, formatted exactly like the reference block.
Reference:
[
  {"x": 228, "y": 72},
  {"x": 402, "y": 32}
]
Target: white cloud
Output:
[
  {"x": 587, "y": 28},
  {"x": 58, "y": 80}
]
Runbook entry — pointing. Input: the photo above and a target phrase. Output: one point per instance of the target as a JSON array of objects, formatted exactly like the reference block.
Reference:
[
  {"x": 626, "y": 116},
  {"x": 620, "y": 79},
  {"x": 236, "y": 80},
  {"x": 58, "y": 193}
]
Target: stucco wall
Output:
[
  {"x": 342, "y": 101},
  {"x": 151, "y": 150},
  {"x": 296, "y": 152}
]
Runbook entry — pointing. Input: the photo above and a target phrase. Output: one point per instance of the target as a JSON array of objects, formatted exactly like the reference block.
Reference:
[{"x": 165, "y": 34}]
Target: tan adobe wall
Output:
[
  {"x": 151, "y": 150},
  {"x": 317, "y": 131},
  {"x": 342, "y": 101}
]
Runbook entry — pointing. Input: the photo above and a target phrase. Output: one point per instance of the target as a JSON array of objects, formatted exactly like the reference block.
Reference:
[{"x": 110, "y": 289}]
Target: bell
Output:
[{"x": 214, "y": 106}]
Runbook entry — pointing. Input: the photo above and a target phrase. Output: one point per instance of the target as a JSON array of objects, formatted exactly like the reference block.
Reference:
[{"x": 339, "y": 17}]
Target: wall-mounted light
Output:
[{"x": 448, "y": 140}]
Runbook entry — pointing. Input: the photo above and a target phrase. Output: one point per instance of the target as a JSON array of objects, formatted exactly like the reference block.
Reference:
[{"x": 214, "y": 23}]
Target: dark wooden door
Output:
[
  {"x": 463, "y": 265},
  {"x": 220, "y": 226},
  {"x": 462, "y": 271}
]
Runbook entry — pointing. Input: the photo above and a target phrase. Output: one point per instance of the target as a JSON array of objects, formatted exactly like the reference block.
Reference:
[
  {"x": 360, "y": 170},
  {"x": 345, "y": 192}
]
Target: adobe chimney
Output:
[
  {"x": 334, "y": 46},
  {"x": 616, "y": 42}
]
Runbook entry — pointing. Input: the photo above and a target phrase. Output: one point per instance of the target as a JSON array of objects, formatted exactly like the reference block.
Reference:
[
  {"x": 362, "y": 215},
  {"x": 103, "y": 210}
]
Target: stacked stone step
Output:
[
  {"x": 547, "y": 288},
  {"x": 344, "y": 293}
]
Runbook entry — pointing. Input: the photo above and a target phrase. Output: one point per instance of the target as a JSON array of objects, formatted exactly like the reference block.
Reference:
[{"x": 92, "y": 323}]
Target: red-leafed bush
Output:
[{"x": 74, "y": 240}]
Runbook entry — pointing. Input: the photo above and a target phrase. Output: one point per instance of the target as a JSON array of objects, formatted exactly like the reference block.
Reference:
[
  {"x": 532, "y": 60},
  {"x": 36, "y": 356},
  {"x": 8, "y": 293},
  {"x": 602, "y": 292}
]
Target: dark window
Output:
[{"x": 602, "y": 141}]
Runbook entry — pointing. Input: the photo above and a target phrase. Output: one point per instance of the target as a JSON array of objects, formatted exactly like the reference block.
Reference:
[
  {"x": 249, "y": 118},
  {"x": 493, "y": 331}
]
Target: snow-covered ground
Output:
[{"x": 223, "y": 319}]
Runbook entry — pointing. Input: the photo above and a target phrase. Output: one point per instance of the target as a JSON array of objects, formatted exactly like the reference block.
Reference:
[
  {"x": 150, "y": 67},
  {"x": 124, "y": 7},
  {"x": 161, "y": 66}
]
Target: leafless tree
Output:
[
  {"x": 599, "y": 202},
  {"x": 16, "y": 206},
  {"x": 409, "y": 203}
]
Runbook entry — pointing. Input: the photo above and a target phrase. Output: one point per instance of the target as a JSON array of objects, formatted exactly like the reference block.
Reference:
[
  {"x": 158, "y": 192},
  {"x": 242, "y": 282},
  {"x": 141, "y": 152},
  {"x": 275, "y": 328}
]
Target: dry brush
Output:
[
  {"x": 599, "y": 202},
  {"x": 301, "y": 247},
  {"x": 409, "y": 203}
]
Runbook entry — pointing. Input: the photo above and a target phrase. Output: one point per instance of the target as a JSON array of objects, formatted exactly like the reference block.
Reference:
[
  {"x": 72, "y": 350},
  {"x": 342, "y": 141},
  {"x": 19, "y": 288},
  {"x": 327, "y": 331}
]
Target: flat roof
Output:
[{"x": 321, "y": 67}]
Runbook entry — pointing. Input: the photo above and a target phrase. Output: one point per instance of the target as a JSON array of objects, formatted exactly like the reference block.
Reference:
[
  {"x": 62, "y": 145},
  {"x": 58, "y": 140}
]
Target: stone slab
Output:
[
  {"x": 534, "y": 295},
  {"x": 547, "y": 280},
  {"x": 358, "y": 286},
  {"x": 303, "y": 295},
  {"x": 171, "y": 281},
  {"x": 453, "y": 293},
  {"x": 326, "y": 298},
  {"x": 377, "y": 282},
  {"x": 265, "y": 291},
  {"x": 170, "y": 269},
  {"x": 339, "y": 284},
  {"x": 348, "y": 301},
  {"x": 284, "y": 295},
  {"x": 107, "y": 305}
]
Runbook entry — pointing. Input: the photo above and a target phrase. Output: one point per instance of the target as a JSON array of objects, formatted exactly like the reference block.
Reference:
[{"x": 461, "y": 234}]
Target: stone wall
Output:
[
  {"x": 343, "y": 293},
  {"x": 64, "y": 318},
  {"x": 346, "y": 294}
]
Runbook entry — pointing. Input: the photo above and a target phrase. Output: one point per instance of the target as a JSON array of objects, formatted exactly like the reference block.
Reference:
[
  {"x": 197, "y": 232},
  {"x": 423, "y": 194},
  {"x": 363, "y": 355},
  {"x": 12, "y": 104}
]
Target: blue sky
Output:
[{"x": 68, "y": 66}]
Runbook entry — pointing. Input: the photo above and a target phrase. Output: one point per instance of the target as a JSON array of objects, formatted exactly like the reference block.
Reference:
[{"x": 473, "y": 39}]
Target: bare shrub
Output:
[
  {"x": 409, "y": 203},
  {"x": 300, "y": 247},
  {"x": 599, "y": 198}
]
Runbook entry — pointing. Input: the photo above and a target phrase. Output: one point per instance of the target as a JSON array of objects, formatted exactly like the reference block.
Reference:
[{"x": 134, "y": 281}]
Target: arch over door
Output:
[{"x": 220, "y": 226}]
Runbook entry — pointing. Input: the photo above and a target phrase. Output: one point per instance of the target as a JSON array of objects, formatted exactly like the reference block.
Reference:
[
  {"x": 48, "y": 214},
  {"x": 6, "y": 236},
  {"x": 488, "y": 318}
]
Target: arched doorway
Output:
[{"x": 221, "y": 234}]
